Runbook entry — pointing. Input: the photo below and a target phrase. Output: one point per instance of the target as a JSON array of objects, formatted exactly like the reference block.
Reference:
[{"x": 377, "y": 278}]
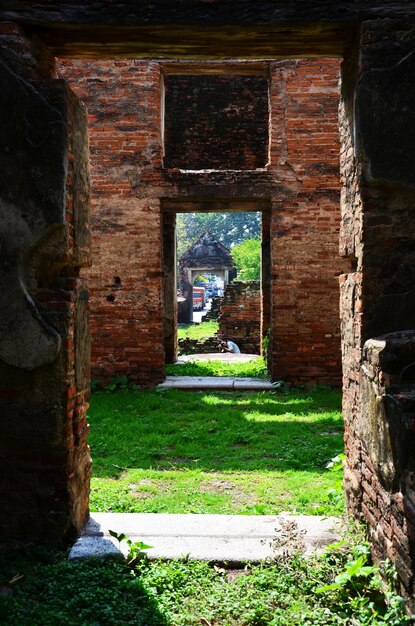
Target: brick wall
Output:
[
  {"x": 123, "y": 101},
  {"x": 44, "y": 385},
  {"x": 380, "y": 486},
  {"x": 377, "y": 292},
  {"x": 305, "y": 225},
  {"x": 231, "y": 110},
  {"x": 130, "y": 184},
  {"x": 240, "y": 316}
]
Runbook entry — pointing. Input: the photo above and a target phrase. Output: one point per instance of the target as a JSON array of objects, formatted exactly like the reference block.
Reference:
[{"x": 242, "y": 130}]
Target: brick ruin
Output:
[
  {"x": 44, "y": 366},
  {"x": 240, "y": 316},
  {"x": 136, "y": 190}
]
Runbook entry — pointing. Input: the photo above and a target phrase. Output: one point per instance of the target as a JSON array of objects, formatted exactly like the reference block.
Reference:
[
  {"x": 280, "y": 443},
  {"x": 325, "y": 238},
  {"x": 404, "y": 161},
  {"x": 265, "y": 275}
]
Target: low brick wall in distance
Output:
[
  {"x": 198, "y": 346},
  {"x": 240, "y": 316}
]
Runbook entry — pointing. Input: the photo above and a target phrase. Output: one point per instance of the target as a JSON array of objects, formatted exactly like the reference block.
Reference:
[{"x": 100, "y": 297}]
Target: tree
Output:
[
  {"x": 229, "y": 228},
  {"x": 247, "y": 259}
]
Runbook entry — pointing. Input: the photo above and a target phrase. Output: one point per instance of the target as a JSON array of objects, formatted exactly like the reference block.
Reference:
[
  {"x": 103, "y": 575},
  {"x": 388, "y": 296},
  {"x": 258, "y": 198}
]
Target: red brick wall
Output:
[
  {"x": 123, "y": 100},
  {"x": 129, "y": 181},
  {"x": 305, "y": 223},
  {"x": 231, "y": 110}
]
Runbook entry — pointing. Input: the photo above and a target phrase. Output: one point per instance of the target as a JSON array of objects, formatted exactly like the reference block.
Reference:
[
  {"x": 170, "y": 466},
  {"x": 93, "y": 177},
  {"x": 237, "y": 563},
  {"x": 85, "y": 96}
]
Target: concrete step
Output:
[
  {"x": 216, "y": 383},
  {"x": 224, "y": 539}
]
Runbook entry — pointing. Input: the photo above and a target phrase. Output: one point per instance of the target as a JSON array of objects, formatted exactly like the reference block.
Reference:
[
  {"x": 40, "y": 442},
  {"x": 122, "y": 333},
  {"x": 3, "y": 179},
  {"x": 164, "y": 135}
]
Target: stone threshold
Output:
[
  {"x": 216, "y": 383},
  {"x": 229, "y": 540}
]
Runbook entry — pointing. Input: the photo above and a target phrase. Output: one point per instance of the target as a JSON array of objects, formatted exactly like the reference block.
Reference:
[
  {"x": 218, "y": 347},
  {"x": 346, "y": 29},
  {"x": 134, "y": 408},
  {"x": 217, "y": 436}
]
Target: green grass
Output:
[
  {"x": 198, "y": 331},
  {"x": 205, "y": 452},
  {"x": 251, "y": 369},
  {"x": 41, "y": 588}
]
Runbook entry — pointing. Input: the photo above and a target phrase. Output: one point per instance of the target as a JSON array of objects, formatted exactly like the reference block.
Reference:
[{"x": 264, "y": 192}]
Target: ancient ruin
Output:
[{"x": 45, "y": 231}]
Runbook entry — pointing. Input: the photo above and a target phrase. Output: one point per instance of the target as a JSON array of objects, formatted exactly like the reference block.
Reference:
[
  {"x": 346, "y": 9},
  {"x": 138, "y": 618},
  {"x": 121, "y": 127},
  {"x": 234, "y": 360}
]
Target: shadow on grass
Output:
[
  {"x": 213, "y": 431},
  {"x": 51, "y": 591}
]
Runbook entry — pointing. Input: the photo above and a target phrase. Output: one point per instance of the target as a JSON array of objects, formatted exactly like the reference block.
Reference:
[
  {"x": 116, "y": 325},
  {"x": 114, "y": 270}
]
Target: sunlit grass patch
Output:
[
  {"x": 198, "y": 331},
  {"x": 250, "y": 369},
  {"x": 200, "y": 452}
]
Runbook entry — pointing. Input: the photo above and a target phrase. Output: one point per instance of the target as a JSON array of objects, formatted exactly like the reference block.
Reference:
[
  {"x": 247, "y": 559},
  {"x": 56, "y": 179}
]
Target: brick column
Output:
[
  {"x": 378, "y": 295},
  {"x": 170, "y": 287},
  {"x": 44, "y": 343}
]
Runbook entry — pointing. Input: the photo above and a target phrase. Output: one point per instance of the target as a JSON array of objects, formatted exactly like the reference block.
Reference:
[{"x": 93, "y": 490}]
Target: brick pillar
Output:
[
  {"x": 378, "y": 295},
  {"x": 170, "y": 287},
  {"x": 44, "y": 343},
  {"x": 265, "y": 275}
]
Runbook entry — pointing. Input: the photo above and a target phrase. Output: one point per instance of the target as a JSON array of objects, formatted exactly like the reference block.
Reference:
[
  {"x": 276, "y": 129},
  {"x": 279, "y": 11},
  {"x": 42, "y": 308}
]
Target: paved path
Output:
[
  {"x": 226, "y": 539},
  {"x": 216, "y": 383}
]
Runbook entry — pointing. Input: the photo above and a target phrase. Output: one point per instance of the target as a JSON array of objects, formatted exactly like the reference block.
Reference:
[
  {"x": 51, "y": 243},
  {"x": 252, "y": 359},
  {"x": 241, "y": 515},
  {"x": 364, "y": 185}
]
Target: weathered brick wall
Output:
[
  {"x": 129, "y": 183},
  {"x": 305, "y": 223},
  {"x": 44, "y": 384},
  {"x": 123, "y": 101},
  {"x": 198, "y": 107},
  {"x": 240, "y": 316},
  {"x": 377, "y": 293},
  {"x": 208, "y": 345},
  {"x": 382, "y": 488}
]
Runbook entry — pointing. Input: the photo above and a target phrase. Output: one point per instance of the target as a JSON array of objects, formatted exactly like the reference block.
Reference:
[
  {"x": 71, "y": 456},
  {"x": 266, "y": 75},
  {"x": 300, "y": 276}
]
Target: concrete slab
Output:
[
  {"x": 230, "y": 539},
  {"x": 216, "y": 383}
]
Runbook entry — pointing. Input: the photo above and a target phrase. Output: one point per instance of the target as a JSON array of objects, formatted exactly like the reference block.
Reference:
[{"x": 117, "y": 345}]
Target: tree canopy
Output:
[
  {"x": 229, "y": 228},
  {"x": 247, "y": 259}
]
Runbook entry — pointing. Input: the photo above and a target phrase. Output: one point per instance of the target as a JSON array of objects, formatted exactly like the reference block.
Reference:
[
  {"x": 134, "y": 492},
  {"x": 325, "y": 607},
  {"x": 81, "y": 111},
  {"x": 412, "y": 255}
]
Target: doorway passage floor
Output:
[
  {"x": 223, "y": 539},
  {"x": 216, "y": 383}
]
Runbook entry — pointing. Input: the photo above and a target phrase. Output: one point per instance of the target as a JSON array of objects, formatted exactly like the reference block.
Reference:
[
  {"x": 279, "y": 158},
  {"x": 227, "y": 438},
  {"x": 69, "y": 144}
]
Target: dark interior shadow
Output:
[{"x": 55, "y": 590}]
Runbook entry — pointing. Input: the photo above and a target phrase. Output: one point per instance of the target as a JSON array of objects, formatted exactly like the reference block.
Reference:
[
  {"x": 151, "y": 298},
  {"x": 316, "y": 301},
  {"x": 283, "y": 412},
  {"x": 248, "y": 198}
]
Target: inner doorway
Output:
[{"x": 180, "y": 277}]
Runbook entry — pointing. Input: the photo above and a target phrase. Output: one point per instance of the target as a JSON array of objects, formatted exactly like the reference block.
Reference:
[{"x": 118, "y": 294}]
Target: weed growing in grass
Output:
[
  {"x": 207, "y": 452},
  {"x": 340, "y": 587}
]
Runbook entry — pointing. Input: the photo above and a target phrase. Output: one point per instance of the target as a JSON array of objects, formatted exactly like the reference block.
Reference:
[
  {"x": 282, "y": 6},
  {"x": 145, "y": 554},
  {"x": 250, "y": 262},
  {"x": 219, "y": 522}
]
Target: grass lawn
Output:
[
  {"x": 198, "y": 331},
  {"x": 251, "y": 369},
  {"x": 204, "y": 452}
]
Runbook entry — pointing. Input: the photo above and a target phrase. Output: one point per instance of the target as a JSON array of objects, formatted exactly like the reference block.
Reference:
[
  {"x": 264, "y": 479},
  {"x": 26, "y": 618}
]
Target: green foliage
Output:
[
  {"x": 172, "y": 451},
  {"x": 41, "y": 588},
  {"x": 136, "y": 549},
  {"x": 251, "y": 369},
  {"x": 247, "y": 259},
  {"x": 198, "y": 331},
  {"x": 229, "y": 228},
  {"x": 362, "y": 591}
]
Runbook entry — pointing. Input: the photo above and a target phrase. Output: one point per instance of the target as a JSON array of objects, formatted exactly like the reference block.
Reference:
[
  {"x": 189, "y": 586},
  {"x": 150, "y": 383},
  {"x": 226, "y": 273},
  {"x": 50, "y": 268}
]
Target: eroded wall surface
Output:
[
  {"x": 377, "y": 312},
  {"x": 130, "y": 182},
  {"x": 44, "y": 340}
]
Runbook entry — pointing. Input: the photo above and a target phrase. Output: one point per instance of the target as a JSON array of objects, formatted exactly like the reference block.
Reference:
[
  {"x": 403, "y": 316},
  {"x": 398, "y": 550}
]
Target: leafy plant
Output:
[
  {"x": 136, "y": 549},
  {"x": 360, "y": 591}
]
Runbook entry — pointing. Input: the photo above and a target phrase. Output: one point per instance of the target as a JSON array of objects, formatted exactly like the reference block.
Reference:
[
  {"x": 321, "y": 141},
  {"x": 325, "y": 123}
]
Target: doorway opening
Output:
[{"x": 216, "y": 280}]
